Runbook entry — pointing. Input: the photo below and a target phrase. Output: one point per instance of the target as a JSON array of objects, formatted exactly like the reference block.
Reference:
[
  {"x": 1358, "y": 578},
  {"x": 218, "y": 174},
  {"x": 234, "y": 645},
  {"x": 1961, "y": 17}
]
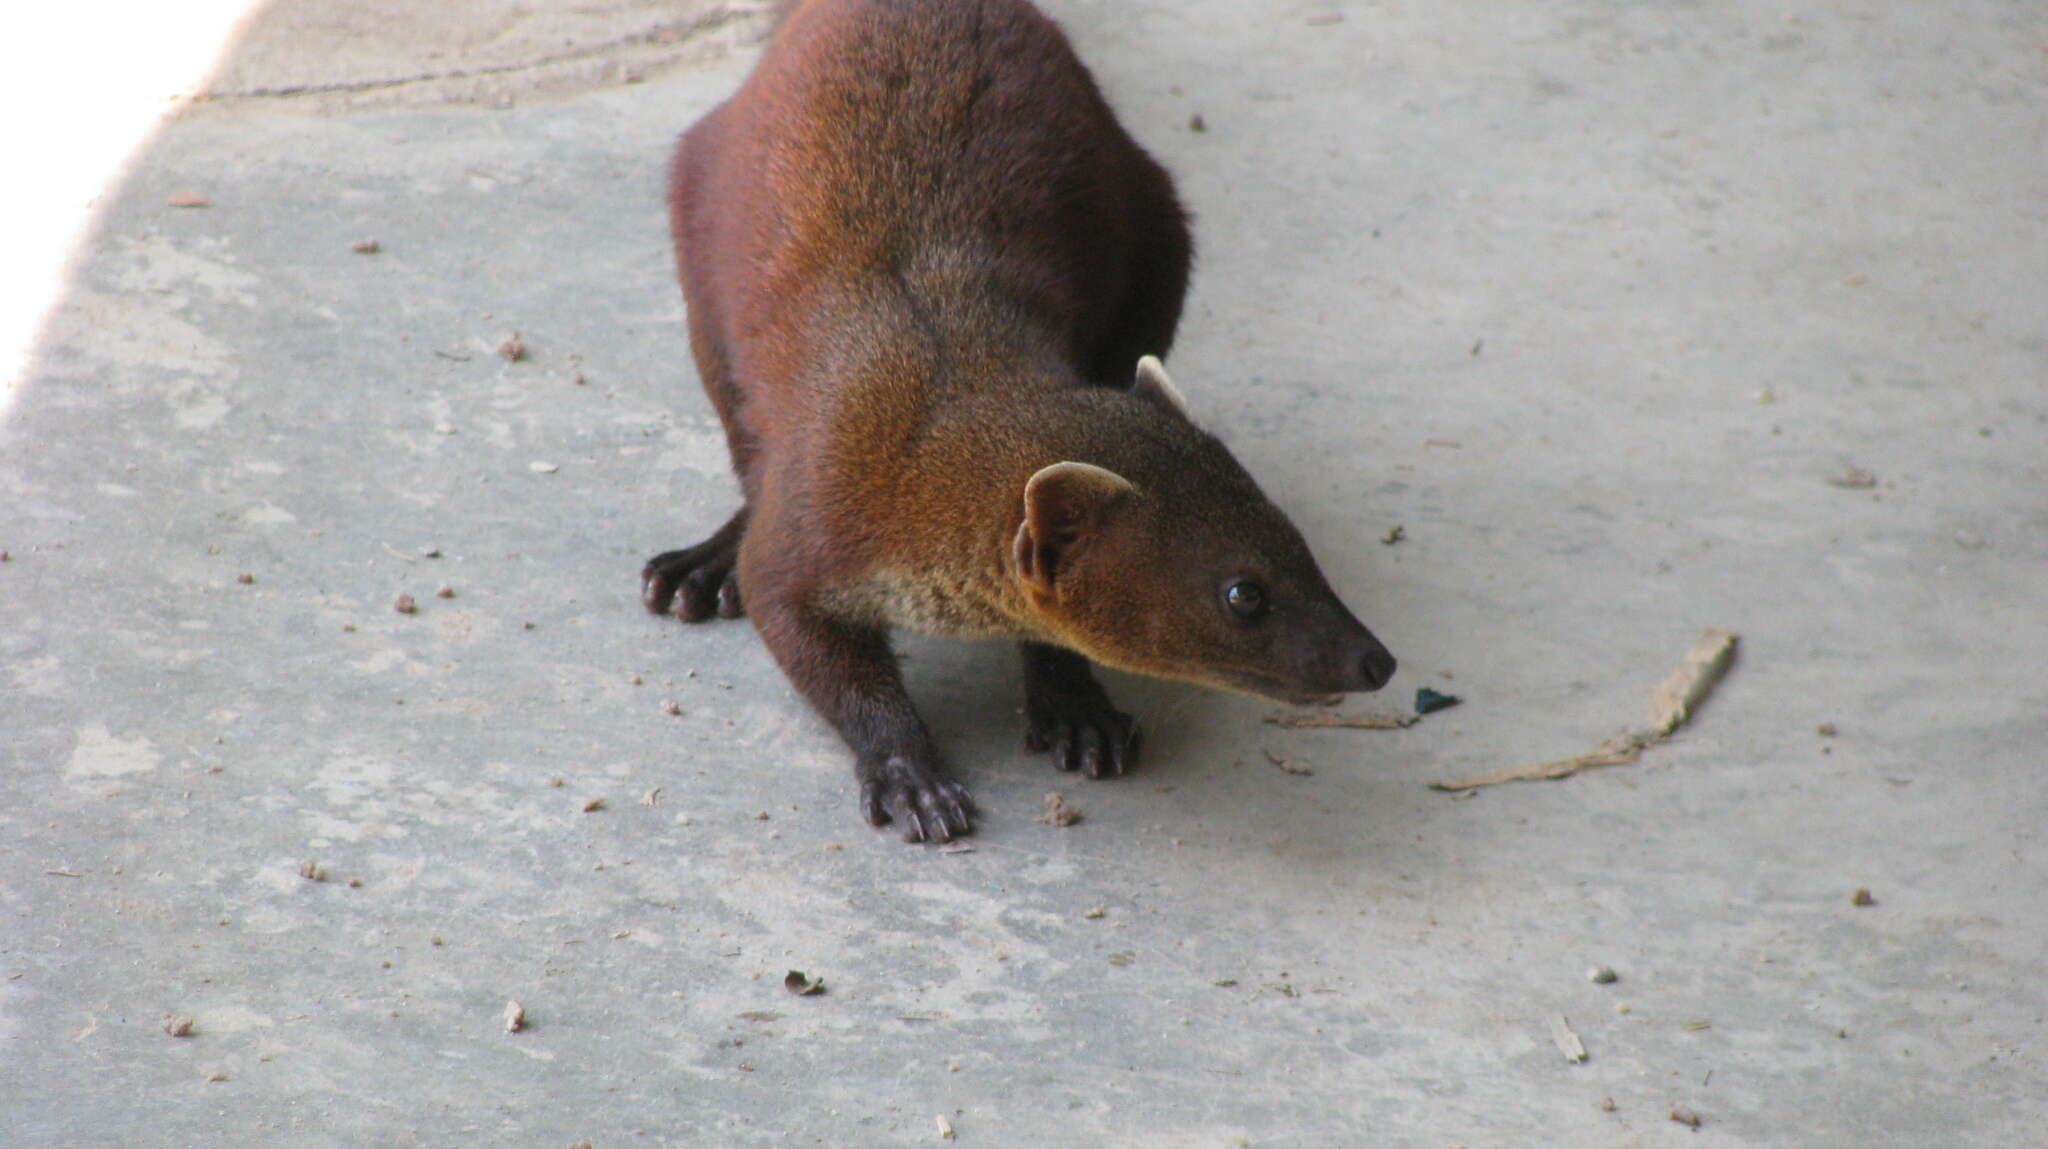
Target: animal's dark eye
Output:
[{"x": 1246, "y": 599}]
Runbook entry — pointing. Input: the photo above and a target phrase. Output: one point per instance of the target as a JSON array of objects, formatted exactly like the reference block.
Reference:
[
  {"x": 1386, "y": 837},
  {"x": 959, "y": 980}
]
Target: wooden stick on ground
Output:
[{"x": 1671, "y": 703}]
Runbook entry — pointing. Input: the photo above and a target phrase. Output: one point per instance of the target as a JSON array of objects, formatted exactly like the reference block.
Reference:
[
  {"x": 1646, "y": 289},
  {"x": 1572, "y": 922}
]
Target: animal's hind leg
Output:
[{"x": 698, "y": 582}]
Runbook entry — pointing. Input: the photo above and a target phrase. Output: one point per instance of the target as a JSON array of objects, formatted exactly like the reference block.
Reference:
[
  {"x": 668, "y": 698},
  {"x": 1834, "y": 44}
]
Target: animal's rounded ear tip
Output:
[{"x": 1070, "y": 472}]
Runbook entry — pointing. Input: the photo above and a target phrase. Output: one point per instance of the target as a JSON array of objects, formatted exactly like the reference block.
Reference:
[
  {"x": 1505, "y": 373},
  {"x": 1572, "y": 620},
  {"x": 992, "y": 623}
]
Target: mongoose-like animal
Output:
[{"x": 929, "y": 278}]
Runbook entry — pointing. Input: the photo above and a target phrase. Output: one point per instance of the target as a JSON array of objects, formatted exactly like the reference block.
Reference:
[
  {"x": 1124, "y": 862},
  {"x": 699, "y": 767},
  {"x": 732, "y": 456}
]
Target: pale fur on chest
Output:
[{"x": 932, "y": 602}]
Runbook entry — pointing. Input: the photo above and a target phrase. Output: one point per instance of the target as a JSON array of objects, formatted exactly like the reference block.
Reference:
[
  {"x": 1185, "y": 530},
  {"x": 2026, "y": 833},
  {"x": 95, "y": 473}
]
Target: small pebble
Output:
[
  {"x": 366, "y": 247},
  {"x": 1825, "y": 730},
  {"x": 1602, "y": 975},
  {"x": 1197, "y": 124},
  {"x": 1685, "y": 1116},
  {"x": 444, "y": 591},
  {"x": 1862, "y": 897},
  {"x": 245, "y": 579},
  {"x": 312, "y": 871},
  {"x": 177, "y": 1025},
  {"x": 513, "y": 349},
  {"x": 592, "y": 804},
  {"x": 404, "y": 604}
]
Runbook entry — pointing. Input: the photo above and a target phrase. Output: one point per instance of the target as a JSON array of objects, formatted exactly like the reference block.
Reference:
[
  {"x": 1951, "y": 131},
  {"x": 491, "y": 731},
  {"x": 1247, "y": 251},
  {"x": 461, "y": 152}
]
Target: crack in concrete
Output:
[{"x": 676, "y": 32}]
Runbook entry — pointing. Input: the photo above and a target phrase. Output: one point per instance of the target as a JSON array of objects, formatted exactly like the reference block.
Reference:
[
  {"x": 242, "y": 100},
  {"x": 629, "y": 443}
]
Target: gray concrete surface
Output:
[{"x": 1578, "y": 241}]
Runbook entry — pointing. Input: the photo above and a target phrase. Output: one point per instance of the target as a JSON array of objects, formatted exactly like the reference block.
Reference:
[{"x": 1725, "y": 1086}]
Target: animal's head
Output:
[{"x": 1184, "y": 570}]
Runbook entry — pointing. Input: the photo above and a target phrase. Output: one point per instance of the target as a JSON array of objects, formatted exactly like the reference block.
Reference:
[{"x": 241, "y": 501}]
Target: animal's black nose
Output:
[{"x": 1375, "y": 667}]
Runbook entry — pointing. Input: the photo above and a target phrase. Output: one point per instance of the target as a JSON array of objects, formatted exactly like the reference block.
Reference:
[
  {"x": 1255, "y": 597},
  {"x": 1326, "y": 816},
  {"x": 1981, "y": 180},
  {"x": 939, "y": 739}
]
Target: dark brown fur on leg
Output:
[{"x": 849, "y": 674}]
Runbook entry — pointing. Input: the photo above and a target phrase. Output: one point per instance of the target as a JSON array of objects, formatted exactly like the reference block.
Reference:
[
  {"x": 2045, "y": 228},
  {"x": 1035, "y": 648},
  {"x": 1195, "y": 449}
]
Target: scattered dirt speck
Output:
[
  {"x": 1862, "y": 897},
  {"x": 245, "y": 578},
  {"x": 513, "y": 349},
  {"x": 1685, "y": 1116},
  {"x": 366, "y": 247},
  {"x": 312, "y": 871},
  {"x": 405, "y": 604},
  {"x": 591, "y": 805},
  {"x": 187, "y": 199},
  {"x": 444, "y": 591},
  {"x": 177, "y": 1025},
  {"x": 1058, "y": 812}
]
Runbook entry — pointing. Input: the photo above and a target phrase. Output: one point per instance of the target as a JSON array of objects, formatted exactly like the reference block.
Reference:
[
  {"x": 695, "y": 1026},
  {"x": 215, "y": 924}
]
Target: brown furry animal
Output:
[{"x": 927, "y": 276}]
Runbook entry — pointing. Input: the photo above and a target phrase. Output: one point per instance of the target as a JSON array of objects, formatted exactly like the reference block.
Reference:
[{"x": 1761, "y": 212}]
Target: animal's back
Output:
[{"x": 951, "y": 157}]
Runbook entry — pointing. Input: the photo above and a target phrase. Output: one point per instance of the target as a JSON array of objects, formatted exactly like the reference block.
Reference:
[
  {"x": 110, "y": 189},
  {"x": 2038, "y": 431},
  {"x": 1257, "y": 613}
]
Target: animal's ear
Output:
[
  {"x": 1065, "y": 507},
  {"x": 1151, "y": 383}
]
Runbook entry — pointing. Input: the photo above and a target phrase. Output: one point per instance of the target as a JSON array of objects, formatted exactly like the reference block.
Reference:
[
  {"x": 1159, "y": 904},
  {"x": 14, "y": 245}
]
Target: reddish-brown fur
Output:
[{"x": 922, "y": 260}]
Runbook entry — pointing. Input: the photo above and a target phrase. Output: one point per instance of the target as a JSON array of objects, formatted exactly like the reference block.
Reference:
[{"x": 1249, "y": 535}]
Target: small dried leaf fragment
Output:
[
  {"x": 1567, "y": 1042},
  {"x": 803, "y": 985},
  {"x": 1288, "y": 765},
  {"x": 1058, "y": 812},
  {"x": 1673, "y": 700},
  {"x": 1429, "y": 701}
]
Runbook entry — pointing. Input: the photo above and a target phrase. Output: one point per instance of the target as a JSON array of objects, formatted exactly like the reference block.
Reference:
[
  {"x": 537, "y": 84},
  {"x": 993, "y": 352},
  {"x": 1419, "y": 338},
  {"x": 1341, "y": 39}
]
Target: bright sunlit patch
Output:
[{"x": 81, "y": 88}]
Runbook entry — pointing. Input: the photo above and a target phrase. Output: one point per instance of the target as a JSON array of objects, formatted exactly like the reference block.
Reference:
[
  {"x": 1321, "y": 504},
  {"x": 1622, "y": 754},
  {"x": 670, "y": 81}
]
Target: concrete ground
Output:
[{"x": 1593, "y": 299}]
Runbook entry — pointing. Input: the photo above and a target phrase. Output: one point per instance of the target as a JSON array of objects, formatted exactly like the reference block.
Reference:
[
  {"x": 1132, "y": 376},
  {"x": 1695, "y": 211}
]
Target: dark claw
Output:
[
  {"x": 697, "y": 599},
  {"x": 1092, "y": 753},
  {"x": 729, "y": 598},
  {"x": 1063, "y": 749}
]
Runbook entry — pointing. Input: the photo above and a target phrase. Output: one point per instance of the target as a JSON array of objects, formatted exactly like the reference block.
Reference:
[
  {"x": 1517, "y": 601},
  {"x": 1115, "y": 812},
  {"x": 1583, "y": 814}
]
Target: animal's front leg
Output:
[
  {"x": 1068, "y": 713},
  {"x": 849, "y": 674}
]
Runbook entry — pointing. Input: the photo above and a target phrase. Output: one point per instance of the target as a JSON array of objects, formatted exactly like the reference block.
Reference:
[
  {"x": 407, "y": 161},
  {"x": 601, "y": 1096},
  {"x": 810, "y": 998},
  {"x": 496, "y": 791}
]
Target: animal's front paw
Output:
[
  {"x": 919, "y": 795},
  {"x": 1082, "y": 731}
]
